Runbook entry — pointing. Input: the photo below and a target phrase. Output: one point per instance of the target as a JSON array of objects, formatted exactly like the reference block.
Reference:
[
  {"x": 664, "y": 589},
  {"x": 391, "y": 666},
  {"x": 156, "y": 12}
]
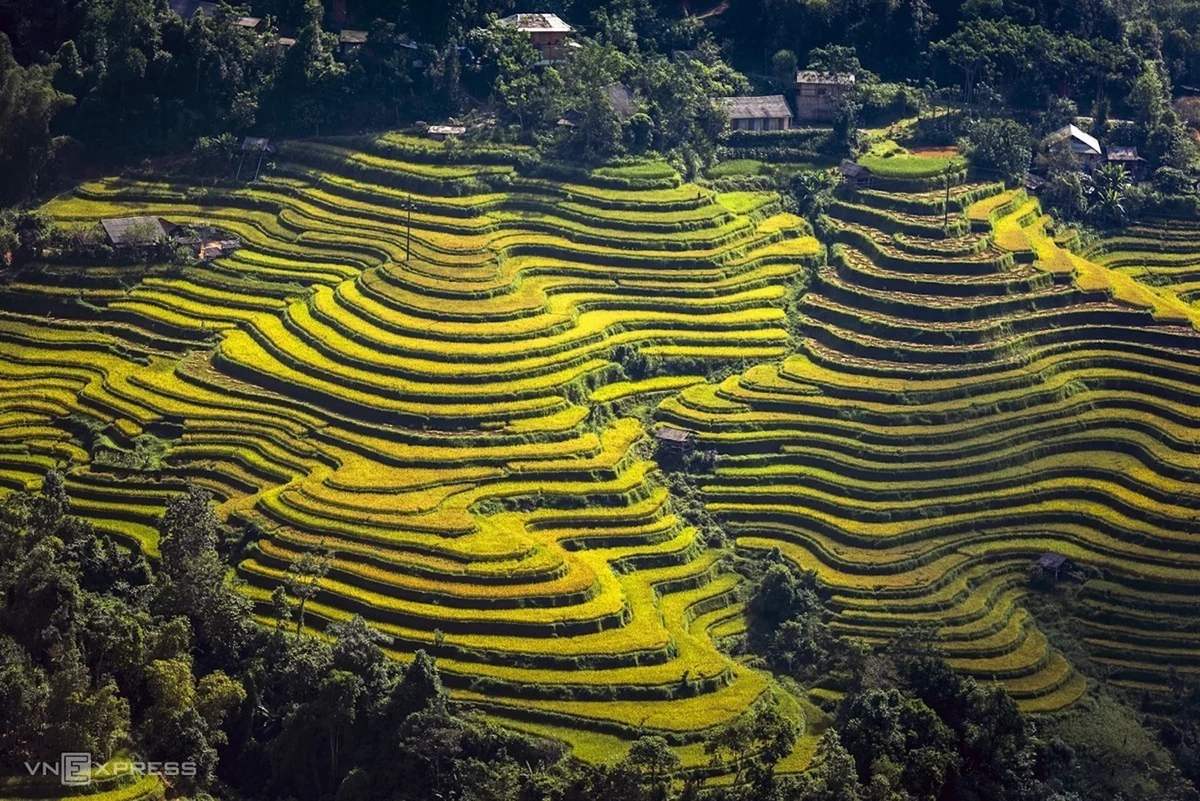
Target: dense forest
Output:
[
  {"x": 109, "y": 651},
  {"x": 91, "y": 83}
]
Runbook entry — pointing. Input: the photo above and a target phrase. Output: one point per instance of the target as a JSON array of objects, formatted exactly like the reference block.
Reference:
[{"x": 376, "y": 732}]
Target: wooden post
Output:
[
  {"x": 408, "y": 231},
  {"x": 946, "y": 203}
]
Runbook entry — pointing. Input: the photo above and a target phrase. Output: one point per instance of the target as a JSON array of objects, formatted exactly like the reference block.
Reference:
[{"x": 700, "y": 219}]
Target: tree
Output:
[
  {"x": 28, "y": 105},
  {"x": 1149, "y": 97},
  {"x": 24, "y": 700},
  {"x": 1108, "y": 187},
  {"x": 652, "y": 761},
  {"x": 833, "y": 775},
  {"x": 837, "y": 58},
  {"x": 596, "y": 133},
  {"x": 192, "y": 578},
  {"x": 1065, "y": 192},
  {"x": 783, "y": 69},
  {"x": 999, "y": 144},
  {"x": 304, "y": 579},
  {"x": 306, "y": 89},
  {"x": 753, "y": 743}
]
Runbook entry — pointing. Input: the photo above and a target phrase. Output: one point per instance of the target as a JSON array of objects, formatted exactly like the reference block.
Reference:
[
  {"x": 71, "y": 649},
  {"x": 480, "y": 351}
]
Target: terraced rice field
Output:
[
  {"x": 446, "y": 415},
  {"x": 1162, "y": 253},
  {"x": 967, "y": 396},
  {"x": 442, "y": 416}
]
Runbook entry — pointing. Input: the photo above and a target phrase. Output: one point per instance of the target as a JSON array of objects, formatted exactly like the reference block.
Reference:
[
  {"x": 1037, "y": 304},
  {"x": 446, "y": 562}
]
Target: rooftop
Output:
[
  {"x": 852, "y": 169},
  {"x": 351, "y": 36},
  {"x": 256, "y": 143},
  {"x": 1123, "y": 153},
  {"x": 1051, "y": 561},
  {"x": 830, "y": 78},
  {"x": 673, "y": 434},
  {"x": 758, "y": 107},
  {"x": 1077, "y": 135},
  {"x": 529, "y": 22},
  {"x": 134, "y": 230}
]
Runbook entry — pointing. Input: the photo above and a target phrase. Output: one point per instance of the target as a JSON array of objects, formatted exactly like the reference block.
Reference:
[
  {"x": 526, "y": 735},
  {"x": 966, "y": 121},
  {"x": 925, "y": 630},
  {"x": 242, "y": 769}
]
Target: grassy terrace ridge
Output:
[
  {"x": 451, "y": 422},
  {"x": 1039, "y": 423}
]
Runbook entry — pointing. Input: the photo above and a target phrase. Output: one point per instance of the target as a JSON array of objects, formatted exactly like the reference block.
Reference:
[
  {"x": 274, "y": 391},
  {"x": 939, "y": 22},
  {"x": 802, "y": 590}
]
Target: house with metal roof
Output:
[
  {"x": 350, "y": 40},
  {"x": 1081, "y": 144},
  {"x": 675, "y": 438},
  {"x": 135, "y": 232},
  {"x": 758, "y": 113},
  {"x": 854, "y": 175},
  {"x": 1127, "y": 156},
  {"x": 819, "y": 95},
  {"x": 548, "y": 33}
]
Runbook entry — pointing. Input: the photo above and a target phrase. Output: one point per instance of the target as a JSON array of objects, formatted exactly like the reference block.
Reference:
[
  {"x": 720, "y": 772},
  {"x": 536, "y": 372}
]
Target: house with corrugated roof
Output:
[
  {"x": 135, "y": 232},
  {"x": 819, "y": 94},
  {"x": 758, "y": 113},
  {"x": 1127, "y": 156},
  {"x": 1076, "y": 141},
  {"x": 548, "y": 33}
]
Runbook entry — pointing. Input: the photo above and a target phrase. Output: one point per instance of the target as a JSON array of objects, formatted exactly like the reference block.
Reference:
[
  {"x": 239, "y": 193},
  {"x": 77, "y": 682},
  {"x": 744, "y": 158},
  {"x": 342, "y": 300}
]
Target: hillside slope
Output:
[
  {"x": 966, "y": 399},
  {"x": 428, "y": 416}
]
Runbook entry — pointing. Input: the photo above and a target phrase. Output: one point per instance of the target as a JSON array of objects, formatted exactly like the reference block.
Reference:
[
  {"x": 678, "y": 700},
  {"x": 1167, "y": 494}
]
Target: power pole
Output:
[
  {"x": 946, "y": 203},
  {"x": 408, "y": 204}
]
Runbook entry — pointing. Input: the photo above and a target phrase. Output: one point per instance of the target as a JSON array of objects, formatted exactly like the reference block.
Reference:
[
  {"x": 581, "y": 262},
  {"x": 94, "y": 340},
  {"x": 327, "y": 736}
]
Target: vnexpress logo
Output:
[{"x": 75, "y": 769}]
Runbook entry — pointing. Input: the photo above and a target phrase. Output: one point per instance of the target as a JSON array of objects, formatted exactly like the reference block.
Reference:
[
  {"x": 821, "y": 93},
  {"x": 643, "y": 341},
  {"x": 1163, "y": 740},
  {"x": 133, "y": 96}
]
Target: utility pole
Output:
[
  {"x": 408, "y": 204},
  {"x": 946, "y": 203}
]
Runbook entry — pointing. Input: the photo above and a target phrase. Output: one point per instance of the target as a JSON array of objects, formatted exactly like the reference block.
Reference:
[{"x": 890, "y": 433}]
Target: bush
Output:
[
  {"x": 888, "y": 101},
  {"x": 1005, "y": 146}
]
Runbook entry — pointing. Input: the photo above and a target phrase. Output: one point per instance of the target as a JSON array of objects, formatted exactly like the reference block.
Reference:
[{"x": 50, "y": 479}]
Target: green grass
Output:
[
  {"x": 892, "y": 161},
  {"x": 736, "y": 168}
]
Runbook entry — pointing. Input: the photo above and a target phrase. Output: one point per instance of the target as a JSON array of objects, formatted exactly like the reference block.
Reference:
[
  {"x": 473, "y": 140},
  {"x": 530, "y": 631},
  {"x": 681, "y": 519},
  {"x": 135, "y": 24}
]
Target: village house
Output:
[
  {"x": 1127, "y": 156},
  {"x": 350, "y": 40},
  {"x": 191, "y": 8},
  {"x": 854, "y": 175},
  {"x": 819, "y": 95},
  {"x": 679, "y": 440},
  {"x": 135, "y": 232},
  {"x": 548, "y": 33},
  {"x": 1079, "y": 143},
  {"x": 763, "y": 113}
]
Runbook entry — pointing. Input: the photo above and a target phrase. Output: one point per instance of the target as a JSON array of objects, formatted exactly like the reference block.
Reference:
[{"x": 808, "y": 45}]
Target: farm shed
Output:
[
  {"x": 619, "y": 97},
  {"x": 672, "y": 438},
  {"x": 350, "y": 40},
  {"x": 1053, "y": 566},
  {"x": 445, "y": 131},
  {"x": 854, "y": 175}
]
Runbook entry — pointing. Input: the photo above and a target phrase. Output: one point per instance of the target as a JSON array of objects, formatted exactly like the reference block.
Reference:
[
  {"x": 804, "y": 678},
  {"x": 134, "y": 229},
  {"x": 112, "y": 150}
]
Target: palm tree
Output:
[{"x": 1108, "y": 187}]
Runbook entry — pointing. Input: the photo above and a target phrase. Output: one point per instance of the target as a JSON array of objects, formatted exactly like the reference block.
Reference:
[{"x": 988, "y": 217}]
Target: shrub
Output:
[{"x": 1005, "y": 146}]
